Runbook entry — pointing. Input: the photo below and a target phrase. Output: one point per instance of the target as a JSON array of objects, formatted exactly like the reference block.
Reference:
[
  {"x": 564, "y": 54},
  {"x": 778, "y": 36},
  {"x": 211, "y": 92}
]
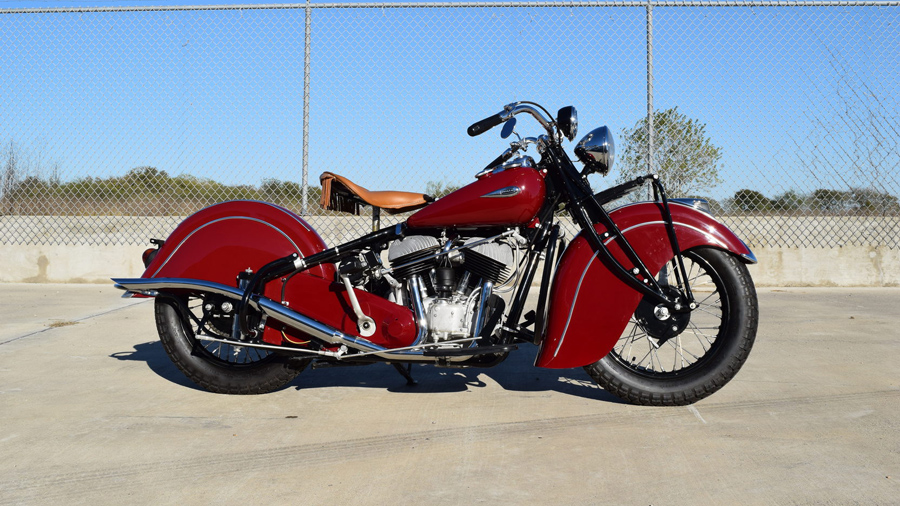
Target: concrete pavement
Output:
[{"x": 93, "y": 412}]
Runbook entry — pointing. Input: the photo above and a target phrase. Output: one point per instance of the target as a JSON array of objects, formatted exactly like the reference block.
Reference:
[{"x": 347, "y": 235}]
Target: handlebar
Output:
[
  {"x": 486, "y": 124},
  {"x": 507, "y": 113}
]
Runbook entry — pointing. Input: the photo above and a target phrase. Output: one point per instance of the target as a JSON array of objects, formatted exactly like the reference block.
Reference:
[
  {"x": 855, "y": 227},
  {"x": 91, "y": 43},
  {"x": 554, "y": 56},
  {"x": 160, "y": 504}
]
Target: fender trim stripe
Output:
[
  {"x": 225, "y": 219},
  {"x": 572, "y": 309},
  {"x": 709, "y": 236}
]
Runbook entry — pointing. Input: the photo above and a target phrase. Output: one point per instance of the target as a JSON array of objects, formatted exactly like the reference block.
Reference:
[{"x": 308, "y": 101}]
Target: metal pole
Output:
[
  {"x": 304, "y": 206},
  {"x": 650, "y": 86}
]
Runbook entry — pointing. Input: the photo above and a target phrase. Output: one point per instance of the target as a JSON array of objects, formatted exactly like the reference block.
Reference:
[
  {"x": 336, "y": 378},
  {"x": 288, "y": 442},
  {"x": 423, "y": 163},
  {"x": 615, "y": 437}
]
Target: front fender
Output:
[{"x": 590, "y": 306}]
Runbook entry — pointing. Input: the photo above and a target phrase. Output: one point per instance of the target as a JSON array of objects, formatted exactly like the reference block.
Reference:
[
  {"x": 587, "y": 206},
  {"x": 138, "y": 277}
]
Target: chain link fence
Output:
[{"x": 115, "y": 123}]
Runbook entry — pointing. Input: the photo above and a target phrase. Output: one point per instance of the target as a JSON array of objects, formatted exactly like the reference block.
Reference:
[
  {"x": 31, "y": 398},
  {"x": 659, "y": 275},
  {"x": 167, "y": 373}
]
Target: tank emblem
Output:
[{"x": 509, "y": 191}]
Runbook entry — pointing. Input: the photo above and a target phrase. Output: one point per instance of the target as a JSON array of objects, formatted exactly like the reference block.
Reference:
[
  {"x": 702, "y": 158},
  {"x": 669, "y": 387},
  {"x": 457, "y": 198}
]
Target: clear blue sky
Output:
[{"x": 219, "y": 94}]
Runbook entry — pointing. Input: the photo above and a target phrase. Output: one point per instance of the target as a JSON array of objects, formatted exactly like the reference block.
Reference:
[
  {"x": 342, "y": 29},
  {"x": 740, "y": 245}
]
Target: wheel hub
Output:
[
  {"x": 218, "y": 313},
  {"x": 661, "y": 313},
  {"x": 656, "y": 319}
]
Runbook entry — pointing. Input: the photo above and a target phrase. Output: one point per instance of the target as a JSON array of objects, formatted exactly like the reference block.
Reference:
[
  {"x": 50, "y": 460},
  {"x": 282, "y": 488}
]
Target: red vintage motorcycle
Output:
[{"x": 653, "y": 298}]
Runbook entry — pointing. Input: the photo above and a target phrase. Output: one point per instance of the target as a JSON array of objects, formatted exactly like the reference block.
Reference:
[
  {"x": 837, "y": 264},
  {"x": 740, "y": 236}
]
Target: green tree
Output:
[
  {"x": 280, "y": 191},
  {"x": 683, "y": 155},
  {"x": 147, "y": 180},
  {"x": 438, "y": 189},
  {"x": 10, "y": 176},
  {"x": 871, "y": 201},
  {"x": 788, "y": 201},
  {"x": 751, "y": 201},
  {"x": 830, "y": 200},
  {"x": 290, "y": 194}
]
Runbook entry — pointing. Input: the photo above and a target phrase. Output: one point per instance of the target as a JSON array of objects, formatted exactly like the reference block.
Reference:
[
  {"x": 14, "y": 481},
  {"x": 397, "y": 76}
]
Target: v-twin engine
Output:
[{"x": 452, "y": 290}]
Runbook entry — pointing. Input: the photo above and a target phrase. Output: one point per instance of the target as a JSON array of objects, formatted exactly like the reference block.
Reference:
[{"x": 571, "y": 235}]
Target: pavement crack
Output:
[{"x": 71, "y": 322}]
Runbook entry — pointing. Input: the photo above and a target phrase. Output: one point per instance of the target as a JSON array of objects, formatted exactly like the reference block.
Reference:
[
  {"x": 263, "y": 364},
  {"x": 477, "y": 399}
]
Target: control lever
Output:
[{"x": 365, "y": 324}]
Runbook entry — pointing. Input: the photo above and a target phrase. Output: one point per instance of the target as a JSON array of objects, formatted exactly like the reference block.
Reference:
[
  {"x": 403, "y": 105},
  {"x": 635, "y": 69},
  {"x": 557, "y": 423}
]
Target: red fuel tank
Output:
[{"x": 511, "y": 197}]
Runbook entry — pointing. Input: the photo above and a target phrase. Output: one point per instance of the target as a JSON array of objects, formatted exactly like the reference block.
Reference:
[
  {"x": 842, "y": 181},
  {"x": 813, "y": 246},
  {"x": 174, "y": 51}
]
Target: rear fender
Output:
[
  {"x": 217, "y": 243},
  {"x": 590, "y": 306}
]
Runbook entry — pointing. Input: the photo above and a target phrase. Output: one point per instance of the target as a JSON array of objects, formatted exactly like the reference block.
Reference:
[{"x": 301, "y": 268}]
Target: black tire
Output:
[
  {"x": 707, "y": 360},
  {"x": 219, "y": 368}
]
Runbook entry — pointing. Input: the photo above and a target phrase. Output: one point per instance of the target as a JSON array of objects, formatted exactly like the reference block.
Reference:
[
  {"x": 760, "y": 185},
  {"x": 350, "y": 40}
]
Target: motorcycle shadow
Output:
[
  {"x": 517, "y": 374},
  {"x": 153, "y": 354}
]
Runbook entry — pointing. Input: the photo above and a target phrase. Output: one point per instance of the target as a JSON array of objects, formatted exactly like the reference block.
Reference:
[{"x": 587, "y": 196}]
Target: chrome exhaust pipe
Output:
[{"x": 153, "y": 286}]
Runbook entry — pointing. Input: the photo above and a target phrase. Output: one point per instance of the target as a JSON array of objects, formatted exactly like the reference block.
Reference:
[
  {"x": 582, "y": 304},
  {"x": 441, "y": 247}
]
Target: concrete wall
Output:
[
  {"x": 41, "y": 263},
  {"x": 69, "y": 264},
  {"x": 844, "y": 266}
]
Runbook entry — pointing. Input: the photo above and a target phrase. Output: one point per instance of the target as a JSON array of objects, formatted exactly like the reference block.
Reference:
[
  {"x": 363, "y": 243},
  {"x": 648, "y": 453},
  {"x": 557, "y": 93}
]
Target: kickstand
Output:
[{"x": 405, "y": 372}]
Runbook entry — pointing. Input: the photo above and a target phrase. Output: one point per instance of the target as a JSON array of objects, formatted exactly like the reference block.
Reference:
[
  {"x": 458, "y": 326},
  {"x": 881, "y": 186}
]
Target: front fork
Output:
[{"x": 586, "y": 209}]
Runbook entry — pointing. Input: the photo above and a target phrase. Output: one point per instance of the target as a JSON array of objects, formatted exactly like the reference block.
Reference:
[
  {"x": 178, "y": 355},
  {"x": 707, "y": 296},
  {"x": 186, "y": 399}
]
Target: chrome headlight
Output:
[
  {"x": 597, "y": 151},
  {"x": 567, "y": 121}
]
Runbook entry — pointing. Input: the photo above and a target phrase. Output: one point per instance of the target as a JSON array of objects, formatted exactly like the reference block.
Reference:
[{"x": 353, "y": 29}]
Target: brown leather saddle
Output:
[{"x": 342, "y": 195}]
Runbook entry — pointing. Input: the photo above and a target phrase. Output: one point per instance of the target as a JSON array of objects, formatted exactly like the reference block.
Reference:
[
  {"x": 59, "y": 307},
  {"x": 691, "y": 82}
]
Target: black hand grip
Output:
[{"x": 485, "y": 125}]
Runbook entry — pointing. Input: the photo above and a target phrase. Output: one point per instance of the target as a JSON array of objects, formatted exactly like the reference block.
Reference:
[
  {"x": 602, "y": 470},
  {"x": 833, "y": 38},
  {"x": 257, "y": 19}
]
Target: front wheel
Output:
[
  {"x": 215, "y": 366},
  {"x": 679, "y": 360}
]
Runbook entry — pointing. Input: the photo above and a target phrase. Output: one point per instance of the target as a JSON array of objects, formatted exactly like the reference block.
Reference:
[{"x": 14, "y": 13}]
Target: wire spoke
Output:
[
  {"x": 641, "y": 361},
  {"x": 680, "y": 349},
  {"x": 697, "y": 334},
  {"x": 679, "y": 352},
  {"x": 675, "y": 358},
  {"x": 714, "y": 306},
  {"x": 690, "y": 273},
  {"x": 709, "y": 313},
  {"x": 705, "y": 336},
  {"x": 631, "y": 347},
  {"x": 702, "y": 302},
  {"x": 695, "y": 278},
  {"x": 231, "y": 352},
  {"x": 655, "y": 353}
]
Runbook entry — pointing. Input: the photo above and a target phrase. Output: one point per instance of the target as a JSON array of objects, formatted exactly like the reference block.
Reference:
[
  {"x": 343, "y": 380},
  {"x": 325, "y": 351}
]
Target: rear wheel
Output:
[
  {"x": 663, "y": 360},
  {"x": 214, "y": 366}
]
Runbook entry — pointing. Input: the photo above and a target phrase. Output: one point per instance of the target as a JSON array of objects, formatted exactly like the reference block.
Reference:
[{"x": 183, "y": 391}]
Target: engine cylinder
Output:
[
  {"x": 410, "y": 249},
  {"x": 490, "y": 261}
]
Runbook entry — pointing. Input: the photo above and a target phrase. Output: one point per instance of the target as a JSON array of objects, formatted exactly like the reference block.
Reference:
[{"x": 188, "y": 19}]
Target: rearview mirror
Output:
[
  {"x": 567, "y": 121},
  {"x": 508, "y": 128}
]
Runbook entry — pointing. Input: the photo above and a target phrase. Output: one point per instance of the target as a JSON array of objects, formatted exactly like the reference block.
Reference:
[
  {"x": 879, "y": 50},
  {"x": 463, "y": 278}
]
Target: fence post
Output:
[
  {"x": 649, "y": 86},
  {"x": 304, "y": 207}
]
